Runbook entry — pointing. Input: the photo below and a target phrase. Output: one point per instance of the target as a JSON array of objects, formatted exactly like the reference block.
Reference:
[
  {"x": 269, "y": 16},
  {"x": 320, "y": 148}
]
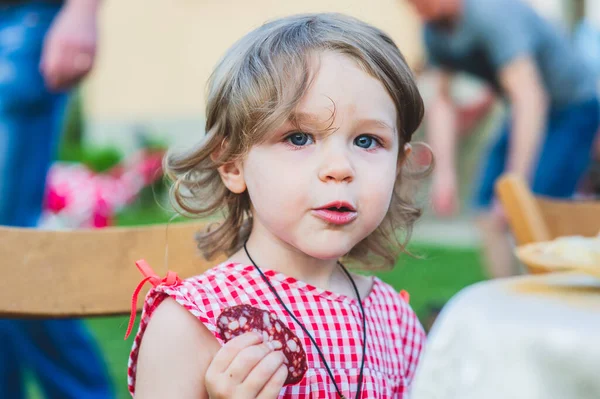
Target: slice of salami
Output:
[{"x": 241, "y": 319}]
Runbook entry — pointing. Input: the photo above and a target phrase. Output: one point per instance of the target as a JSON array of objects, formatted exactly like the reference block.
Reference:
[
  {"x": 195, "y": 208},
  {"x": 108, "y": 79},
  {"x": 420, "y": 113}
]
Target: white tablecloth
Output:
[{"x": 531, "y": 337}]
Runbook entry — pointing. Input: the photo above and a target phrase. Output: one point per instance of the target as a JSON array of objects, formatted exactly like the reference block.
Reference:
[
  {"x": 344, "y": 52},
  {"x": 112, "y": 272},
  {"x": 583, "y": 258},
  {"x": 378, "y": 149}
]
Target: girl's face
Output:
[{"x": 319, "y": 190}]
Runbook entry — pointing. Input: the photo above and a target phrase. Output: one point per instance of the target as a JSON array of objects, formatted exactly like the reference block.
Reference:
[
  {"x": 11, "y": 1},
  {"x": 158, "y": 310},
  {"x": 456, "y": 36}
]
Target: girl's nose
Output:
[{"x": 336, "y": 167}]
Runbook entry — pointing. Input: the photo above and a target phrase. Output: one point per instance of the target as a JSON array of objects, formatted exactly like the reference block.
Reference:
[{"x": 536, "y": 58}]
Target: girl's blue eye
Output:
[
  {"x": 299, "y": 139},
  {"x": 365, "y": 141}
]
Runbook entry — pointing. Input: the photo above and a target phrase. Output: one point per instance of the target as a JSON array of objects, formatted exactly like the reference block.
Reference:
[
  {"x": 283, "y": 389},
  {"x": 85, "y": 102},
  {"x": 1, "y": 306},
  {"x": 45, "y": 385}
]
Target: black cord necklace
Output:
[{"x": 364, "y": 326}]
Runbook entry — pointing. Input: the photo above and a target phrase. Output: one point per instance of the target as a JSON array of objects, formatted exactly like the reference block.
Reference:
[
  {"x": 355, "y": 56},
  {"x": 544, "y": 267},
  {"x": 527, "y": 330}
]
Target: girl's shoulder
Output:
[
  {"x": 204, "y": 296},
  {"x": 386, "y": 295},
  {"x": 222, "y": 283},
  {"x": 392, "y": 307},
  {"x": 235, "y": 275}
]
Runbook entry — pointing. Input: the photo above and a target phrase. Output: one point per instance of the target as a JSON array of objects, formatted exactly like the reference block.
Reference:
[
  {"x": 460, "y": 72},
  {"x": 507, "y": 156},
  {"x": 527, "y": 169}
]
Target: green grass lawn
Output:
[{"x": 431, "y": 279}]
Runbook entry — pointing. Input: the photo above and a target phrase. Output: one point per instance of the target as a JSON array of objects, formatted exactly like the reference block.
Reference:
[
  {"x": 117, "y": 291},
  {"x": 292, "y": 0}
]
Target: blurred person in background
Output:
[
  {"x": 586, "y": 37},
  {"x": 46, "y": 47},
  {"x": 550, "y": 94}
]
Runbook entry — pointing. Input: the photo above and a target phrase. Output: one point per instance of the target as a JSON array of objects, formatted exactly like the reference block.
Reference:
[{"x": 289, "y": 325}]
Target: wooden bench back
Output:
[
  {"x": 535, "y": 218},
  {"x": 88, "y": 272}
]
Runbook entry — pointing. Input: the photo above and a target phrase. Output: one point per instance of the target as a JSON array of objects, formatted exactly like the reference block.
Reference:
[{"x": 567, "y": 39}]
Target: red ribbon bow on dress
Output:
[{"x": 171, "y": 279}]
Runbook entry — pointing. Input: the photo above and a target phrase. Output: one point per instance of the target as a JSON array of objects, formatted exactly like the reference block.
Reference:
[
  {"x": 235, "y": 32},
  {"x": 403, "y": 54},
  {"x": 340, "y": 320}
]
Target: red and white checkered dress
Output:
[{"x": 395, "y": 337}]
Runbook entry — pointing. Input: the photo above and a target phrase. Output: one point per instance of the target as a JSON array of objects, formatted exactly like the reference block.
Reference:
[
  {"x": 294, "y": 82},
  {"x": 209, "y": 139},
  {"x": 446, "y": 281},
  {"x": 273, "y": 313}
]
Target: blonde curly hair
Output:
[{"x": 254, "y": 89}]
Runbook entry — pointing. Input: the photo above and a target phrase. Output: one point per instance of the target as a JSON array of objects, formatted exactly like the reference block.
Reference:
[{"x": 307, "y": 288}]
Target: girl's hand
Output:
[{"x": 245, "y": 367}]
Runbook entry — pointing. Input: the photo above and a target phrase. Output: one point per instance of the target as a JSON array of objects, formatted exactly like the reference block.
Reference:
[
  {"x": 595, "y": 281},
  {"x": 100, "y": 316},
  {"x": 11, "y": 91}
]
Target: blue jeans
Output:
[
  {"x": 60, "y": 353},
  {"x": 565, "y": 153}
]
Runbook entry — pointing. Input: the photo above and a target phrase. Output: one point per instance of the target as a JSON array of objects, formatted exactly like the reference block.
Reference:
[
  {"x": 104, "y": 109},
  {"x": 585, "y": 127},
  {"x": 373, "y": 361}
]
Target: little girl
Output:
[{"x": 309, "y": 120}]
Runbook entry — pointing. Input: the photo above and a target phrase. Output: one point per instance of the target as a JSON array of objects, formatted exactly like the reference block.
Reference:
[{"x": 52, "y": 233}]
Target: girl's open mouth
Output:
[{"x": 339, "y": 213}]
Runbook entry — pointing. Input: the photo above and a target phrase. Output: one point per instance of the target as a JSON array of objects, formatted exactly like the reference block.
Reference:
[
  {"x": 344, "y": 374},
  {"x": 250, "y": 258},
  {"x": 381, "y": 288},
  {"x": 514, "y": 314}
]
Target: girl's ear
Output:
[
  {"x": 232, "y": 175},
  {"x": 404, "y": 157},
  {"x": 407, "y": 150}
]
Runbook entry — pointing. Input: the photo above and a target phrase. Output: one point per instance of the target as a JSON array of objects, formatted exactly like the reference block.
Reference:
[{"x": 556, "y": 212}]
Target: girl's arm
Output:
[
  {"x": 175, "y": 353},
  {"x": 180, "y": 358}
]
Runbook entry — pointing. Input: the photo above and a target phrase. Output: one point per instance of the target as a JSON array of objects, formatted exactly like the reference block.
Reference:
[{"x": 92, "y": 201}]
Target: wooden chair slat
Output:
[
  {"x": 535, "y": 218},
  {"x": 88, "y": 272},
  {"x": 565, "y": 218}
]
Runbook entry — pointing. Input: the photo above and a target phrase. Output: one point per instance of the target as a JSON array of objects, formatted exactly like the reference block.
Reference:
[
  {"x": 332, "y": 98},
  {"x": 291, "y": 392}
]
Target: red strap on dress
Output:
[{"x": 171, "y": 279}]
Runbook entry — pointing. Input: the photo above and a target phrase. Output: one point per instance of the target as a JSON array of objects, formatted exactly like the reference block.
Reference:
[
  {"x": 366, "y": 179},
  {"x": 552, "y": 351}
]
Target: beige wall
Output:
[{"x": 156, "y": 55}]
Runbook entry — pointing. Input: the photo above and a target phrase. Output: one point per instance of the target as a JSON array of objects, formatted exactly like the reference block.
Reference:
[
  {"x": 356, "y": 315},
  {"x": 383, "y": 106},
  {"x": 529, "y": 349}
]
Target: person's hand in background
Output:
[
  {"x": 70, "y": 45},
  {"x": 498, "y": 214},
  {"x": 444, "y": 194}
]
